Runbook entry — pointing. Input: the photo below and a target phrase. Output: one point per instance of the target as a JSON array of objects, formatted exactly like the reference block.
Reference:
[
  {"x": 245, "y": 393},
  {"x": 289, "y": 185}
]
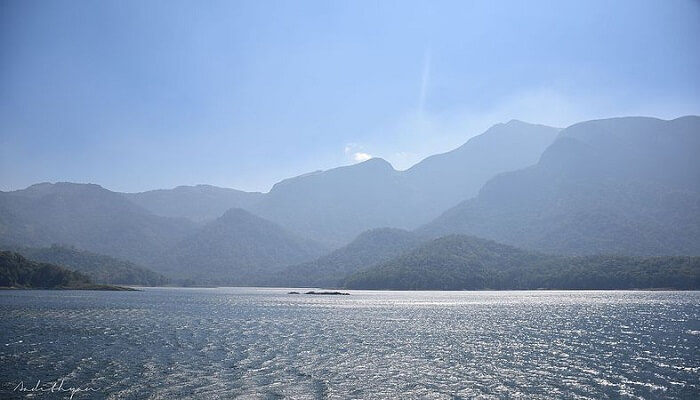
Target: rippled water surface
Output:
[{"x": 265, "y": 343}]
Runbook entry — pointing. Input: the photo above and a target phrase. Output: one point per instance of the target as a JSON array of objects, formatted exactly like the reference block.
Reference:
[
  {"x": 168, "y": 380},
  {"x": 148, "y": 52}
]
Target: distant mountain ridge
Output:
[
  {"x": 229, "y": 250},
  {"x": 88, "y": 217},
  {"x": 616, "y": 186},
  {"x": 335, "y": 206},
  {"x": 198, "y": 203},
  {"x": 626, "y": 186},
  {"x": 459, "y": 174}
]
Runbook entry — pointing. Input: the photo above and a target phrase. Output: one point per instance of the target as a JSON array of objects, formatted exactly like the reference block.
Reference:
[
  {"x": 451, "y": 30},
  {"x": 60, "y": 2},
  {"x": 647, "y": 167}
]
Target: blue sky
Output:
[{"x": 138, "y": 95}]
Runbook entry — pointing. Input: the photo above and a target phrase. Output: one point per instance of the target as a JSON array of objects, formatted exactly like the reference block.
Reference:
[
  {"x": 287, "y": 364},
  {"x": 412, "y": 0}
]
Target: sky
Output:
[{"x": 140, "y": 95}]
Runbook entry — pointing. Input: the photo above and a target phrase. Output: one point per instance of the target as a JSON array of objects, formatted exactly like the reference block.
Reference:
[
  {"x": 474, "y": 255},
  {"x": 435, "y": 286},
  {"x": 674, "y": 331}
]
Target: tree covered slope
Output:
[{"x": 459, "y": 262}]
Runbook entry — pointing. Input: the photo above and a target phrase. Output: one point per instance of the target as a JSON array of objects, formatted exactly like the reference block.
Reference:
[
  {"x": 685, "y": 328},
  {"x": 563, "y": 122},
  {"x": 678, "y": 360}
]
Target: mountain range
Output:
[
  {"x": 87, "y": 217},
  {"x": 622, "y": 186},
  {"x": 201, "y": 203},
  {"x": 334, "y": 206},
  {"x": 618, "y": 186},
  {"x": 233, "y": 248}
]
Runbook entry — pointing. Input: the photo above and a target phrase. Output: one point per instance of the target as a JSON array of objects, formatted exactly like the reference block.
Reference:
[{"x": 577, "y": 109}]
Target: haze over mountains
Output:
[
  {"x": 443, "y": 180},
  {"x": 627, "y": 186},
  {"x": 618, "y": 186},
  {"x": 197, "y": 203},
  {"x": 88, "y": 217},
  {"x": 239, "y": 248},
  {"x": 336, "y": 205}
]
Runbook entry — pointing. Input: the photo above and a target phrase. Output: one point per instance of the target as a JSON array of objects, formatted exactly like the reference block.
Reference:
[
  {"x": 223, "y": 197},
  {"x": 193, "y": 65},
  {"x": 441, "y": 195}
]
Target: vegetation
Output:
[
  {"x": 88, "y": 217},
  {"x": 238, "y": 248},
  {"x": 626, "y": 186},
  {"x": 99, "y": 268},
  {"x": 18, "y": 272},
  {"x": 460, "y": 262},
  {"x": 369, "y": 248}
]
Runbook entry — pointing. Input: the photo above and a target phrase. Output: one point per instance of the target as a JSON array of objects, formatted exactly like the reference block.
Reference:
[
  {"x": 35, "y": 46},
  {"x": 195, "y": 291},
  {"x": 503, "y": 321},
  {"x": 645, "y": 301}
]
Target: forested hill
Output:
[
  {"x": 369, "y": 248},
  {"x": 88, "y": 217},
  {"x": 237, "y": 248},
  {"x": 20, "y": 273},
  {"x": 459, "y": 262},
  {"x": 99, "y": 268}
]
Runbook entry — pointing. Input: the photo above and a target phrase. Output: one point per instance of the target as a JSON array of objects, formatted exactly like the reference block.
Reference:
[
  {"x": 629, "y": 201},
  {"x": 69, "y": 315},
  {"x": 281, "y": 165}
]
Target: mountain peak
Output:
[
  {"x": 46, "y": 188},
  {"x": 376, "y": 162},
  {"x": 518, "y": 124}
]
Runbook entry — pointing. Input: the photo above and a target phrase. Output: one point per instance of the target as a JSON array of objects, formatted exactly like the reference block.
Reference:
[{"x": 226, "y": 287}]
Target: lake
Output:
[{"x": 256, "y": 343}]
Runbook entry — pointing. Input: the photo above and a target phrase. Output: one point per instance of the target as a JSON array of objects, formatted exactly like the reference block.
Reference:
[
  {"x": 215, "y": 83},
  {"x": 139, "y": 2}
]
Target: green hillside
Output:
[
  {"x": 369, "y": 248},
  {"x": 99, "y": 268},
  {"x": 460, "y": 262},
  {"x": 21, "y": 273}
]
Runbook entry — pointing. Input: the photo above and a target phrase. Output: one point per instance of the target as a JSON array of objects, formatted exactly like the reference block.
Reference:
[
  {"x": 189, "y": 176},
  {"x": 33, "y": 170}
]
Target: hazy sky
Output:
[{"x": 137, "y": 95}]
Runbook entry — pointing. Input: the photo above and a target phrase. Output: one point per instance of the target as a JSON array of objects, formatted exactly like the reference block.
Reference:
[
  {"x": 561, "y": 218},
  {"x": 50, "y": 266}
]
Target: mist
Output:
[{"x": 349, "y": 199}]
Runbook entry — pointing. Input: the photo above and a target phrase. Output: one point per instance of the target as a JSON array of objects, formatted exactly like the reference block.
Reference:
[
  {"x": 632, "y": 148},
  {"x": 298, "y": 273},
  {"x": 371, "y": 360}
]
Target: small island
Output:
[
  {"x": 328, "y": 293},
  {"x": 17, "y": 272}
]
